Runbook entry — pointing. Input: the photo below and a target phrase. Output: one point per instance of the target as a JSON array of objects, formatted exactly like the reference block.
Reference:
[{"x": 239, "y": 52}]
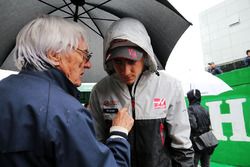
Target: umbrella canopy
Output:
[
  {"x": 207, "y": 83},
  {"x": 6, "y": 73},
  {"x": 163, "y": 22}
]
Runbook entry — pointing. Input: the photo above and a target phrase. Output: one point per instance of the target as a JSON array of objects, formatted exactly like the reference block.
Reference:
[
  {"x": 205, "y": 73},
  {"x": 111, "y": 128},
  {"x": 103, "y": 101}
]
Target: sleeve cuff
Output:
[{"x": 118, "y": 132}]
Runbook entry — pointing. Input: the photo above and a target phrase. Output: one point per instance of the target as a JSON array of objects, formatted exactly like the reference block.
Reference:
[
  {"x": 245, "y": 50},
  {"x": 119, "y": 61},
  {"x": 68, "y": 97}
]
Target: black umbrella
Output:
[{"x": 163, "y": 22}]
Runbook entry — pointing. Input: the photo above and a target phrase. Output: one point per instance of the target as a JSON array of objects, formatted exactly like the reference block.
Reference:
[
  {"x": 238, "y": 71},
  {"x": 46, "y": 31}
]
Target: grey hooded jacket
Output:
[{"x": 160, "y": 136}]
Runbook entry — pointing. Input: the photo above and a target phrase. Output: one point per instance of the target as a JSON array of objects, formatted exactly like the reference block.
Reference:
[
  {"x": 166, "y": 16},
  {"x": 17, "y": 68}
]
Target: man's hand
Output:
[{"x": 123, "y": 119}]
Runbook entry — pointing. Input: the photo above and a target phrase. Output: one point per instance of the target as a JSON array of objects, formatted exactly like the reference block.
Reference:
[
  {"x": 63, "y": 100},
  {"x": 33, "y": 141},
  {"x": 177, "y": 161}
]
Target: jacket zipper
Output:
[
  {"x": 134, "y": 117},
  {"x": 133, "y": 106}
]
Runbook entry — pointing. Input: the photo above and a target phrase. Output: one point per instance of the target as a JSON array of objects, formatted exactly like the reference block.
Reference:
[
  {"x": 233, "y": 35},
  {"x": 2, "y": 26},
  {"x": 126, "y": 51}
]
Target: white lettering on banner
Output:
[{"x": 235, "y": 117}]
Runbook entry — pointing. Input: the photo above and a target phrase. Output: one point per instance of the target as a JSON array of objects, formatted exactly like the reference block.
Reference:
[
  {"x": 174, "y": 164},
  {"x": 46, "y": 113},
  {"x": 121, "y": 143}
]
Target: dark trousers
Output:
[{"x": 203, "y": 157}]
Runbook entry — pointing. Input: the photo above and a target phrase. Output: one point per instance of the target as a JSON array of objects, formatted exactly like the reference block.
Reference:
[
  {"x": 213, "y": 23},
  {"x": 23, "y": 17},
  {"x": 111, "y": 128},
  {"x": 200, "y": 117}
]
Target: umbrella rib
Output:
[
  {"x": 68, "y": 6},
  {"x": 86, "y": 25},
  {"x": 68, "y": 17},
  {"x": 94, "y": 7},
  {"x": 95, "y": 18},
  {"x": 93, "y": 22},
  {"x": 56, "y": 8},
  {"x": 90, "y": 27}
]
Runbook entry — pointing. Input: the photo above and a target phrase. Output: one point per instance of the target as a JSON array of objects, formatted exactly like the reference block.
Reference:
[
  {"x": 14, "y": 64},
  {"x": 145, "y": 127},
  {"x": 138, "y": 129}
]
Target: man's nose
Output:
[
  {"x": 126, "y": 69},
  {"x": 88, "y": 65}
]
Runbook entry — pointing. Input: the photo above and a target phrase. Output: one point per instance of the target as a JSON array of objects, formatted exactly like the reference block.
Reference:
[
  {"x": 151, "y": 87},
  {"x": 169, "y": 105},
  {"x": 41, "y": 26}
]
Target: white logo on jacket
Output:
[{"x": 159, "y": 103}]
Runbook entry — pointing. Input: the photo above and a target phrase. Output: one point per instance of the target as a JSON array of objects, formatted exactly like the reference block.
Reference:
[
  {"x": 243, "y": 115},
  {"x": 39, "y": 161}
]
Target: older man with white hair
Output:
[{"x": 42, "y": 123}]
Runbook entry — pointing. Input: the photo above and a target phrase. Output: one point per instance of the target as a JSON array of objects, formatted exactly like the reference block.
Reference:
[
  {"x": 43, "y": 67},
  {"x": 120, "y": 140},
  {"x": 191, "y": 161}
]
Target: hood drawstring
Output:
[{"x": 157, "y": 73}]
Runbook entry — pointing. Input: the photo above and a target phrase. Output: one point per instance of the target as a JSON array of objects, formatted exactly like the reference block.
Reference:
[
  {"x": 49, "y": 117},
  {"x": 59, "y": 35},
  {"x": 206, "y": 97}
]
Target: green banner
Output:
[{"x": 230, "y": 119}]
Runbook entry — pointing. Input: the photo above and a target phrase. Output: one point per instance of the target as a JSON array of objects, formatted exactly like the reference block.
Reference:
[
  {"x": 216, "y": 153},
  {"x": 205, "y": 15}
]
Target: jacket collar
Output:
[{"x": 57, "y": 77}]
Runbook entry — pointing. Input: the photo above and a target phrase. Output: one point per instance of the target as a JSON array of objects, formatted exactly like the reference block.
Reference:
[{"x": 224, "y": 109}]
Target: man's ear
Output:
[{"x": 54, "y": 57}]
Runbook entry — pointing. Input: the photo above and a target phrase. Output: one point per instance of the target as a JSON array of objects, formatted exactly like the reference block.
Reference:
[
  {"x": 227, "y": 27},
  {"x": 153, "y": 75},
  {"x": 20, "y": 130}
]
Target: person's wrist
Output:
[{"x": 118, "y": 132}]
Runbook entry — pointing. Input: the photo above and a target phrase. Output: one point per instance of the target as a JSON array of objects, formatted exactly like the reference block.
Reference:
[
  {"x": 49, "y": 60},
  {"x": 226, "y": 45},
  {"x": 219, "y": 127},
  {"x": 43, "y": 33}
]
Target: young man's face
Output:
[{"x": 128, "y": 70}]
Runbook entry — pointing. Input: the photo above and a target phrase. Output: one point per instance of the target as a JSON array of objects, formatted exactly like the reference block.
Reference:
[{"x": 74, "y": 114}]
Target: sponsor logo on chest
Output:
[
  {"x": 110, "y": 106},
  {"x": 159, "y": 103},
  {"x": 110, "y": 103}
]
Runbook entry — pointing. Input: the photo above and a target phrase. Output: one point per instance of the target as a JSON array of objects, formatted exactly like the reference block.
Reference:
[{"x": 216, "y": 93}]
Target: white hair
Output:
[{"x": 43, "y": 34}]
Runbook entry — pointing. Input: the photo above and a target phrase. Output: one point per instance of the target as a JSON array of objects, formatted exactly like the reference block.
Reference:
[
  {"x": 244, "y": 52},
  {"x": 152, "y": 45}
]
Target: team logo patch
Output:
[
  {"x": 159, "y": 103},
  {"x": 132, "y": 53},
  {"x": 110, "y": 103}
]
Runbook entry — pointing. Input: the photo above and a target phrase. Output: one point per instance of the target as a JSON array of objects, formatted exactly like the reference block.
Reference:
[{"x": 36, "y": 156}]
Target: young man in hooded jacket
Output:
[{"x": 160, "y": 136}]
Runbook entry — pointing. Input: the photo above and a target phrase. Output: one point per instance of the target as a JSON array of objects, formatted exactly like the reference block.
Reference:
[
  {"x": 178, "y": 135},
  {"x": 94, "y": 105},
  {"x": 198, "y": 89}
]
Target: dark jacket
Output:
[
  {"x": 200, "y": 123},
  {"x": 215, "y": 71},
  {"x": 247, "y": 61},
  {"x": 42, "y": 124},
  {"x": 199, "y": 119}
]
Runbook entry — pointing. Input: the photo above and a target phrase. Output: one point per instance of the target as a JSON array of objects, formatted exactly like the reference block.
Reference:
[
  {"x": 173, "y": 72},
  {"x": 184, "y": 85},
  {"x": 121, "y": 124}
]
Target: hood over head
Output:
[
  {"x": 194, "y": 96},
  {"x": 128, "y": 32}
]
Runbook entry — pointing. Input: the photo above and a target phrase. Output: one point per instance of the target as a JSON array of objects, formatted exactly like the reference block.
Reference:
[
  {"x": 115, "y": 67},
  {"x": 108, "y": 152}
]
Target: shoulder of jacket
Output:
[
  {"x": 167, "y": 78},
  {"x": 104, "y": 83}
]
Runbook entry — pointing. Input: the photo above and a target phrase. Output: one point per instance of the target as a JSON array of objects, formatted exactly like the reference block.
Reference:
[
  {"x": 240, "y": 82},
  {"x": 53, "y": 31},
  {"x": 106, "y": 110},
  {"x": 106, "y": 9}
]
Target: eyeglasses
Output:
[{"x": 85, "y": 54}]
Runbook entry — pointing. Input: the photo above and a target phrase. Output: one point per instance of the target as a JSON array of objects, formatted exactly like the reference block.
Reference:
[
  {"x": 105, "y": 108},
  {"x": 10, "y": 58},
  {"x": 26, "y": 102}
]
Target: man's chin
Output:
[
  {"x": 129, "y": 82},
  {"x": 77, "y": 84}
]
